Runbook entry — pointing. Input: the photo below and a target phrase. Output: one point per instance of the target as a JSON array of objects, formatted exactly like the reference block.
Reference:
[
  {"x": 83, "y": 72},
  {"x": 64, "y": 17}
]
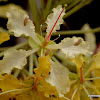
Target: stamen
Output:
[
  {"x": 74, "y": 93},
  {"x": 25, "y": 21},
  {"x": 81, "y": 79},
  {"x": 35, "y": 84},
  {"x": 47, "y": 39},
  {"x": 87, "y": 79},
  {"x": 86, "y": 92},
  {"x": 66, "y": 98},
  {"x": 41, "y": 29},
  {"x": 15, "y": 90},
  {"x": 55, "y": 23},
  {"x": 78, "y": 42},
  {"x": 57, "y": 38}
]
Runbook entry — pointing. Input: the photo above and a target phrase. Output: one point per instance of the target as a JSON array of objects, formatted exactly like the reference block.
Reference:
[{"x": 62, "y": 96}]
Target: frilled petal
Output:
[
  {"x": 90, "y": 37},
  {"x": 8, "y": 82},
  {"x": 20, "y": 24},
  {"x": 51, "y": 19},
  {"x": 59, "y": 77},
  {"x": 4, "y": 37},
  {"x": 72, "y": 47},
  {"x": 6, "y": 8},
  {"x": 14, "y": 59}
]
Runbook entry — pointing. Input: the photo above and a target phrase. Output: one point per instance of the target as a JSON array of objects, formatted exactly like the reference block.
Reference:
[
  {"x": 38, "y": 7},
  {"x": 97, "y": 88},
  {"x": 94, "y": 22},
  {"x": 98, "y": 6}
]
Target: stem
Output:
[
  {"x": 4, "y": 48},
  {"x": 73, "y": 4},
  {"x": 35, "y": 14},
  {"x": 88, "y": 79},
  {"x": 86, "y": 92},
  {"x": 14, "y": 47},
  {"x": 46, "y": 11},
  {"x": 75, "y": 32},
  {"x": 36, "y": 61},
  {"x": 42, "y": 5},
  {"x": 4, "y": 30},
  {"x": 76, "y": 8},
  {"x": 26, "y": 71},
  {"x": 62, "y": 2},
  {"x": 31, "y": 64},
  {"x": 17, "y": 73}
]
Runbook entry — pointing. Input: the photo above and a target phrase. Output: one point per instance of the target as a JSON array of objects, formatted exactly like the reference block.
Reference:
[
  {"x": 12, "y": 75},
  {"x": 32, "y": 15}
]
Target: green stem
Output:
[
  {"x": 26, "y": 71},
  {"x": 4, "y": 48},
  {"x": 72, "y": 4},
  {"x": 36, "y": 61},
  {"x": 4, "y": 30},
  {"x": 14, "y": 47},
  {"x": 75, "y": 32},
  {"x": 31, "y": 64},
  {"x": 17, "y": 73},
  {"x": 35, "y": 14},
  {"x": 76, "y": 8},
  {"x": 62, "y": 2},
  {"x": 46, "y": 11},
  {"x": 42, "y": 5}
]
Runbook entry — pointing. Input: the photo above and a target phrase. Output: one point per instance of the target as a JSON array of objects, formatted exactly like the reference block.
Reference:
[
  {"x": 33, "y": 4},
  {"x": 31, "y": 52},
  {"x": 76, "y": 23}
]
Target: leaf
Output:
[
  {"x": 20, "y": 24},
  {"x": 14, "y": 59},
  {"x": 4, "y": 37},
  {"x": 6, "y": 8},
  {"x": 72, "y": 47},
  {"x": 59, "y": 77},
  {"x": 90, "y": 37},
  {"x": 51, "y": 19},
  {"x": 44, "y": 66}
]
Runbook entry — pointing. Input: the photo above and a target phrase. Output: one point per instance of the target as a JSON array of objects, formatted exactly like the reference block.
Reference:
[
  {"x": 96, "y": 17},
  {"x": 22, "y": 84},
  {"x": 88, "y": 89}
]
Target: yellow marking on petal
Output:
[
  {"x": 44, "y": 66},
  {"x": 4, "y": 37}
]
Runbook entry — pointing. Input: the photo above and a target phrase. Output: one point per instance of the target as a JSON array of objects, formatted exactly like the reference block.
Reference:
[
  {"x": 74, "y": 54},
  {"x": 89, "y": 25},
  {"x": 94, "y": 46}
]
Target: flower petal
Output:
[
  {"x": 20, "y": 24},
  {"x": 6, "y": 8},
  {"x": 14, "y": 59},
  {"x": 72, "y": 47},
  {"x": 51, "y": 19},
  {"x": 59, "y": 77},
  {"x": 90, "y": 37},
  {"x": 4, "y": 37}
]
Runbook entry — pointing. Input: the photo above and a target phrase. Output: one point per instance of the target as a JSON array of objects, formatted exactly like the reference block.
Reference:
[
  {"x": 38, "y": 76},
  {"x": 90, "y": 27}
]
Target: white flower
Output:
[{"x": 14, "y": 59}]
